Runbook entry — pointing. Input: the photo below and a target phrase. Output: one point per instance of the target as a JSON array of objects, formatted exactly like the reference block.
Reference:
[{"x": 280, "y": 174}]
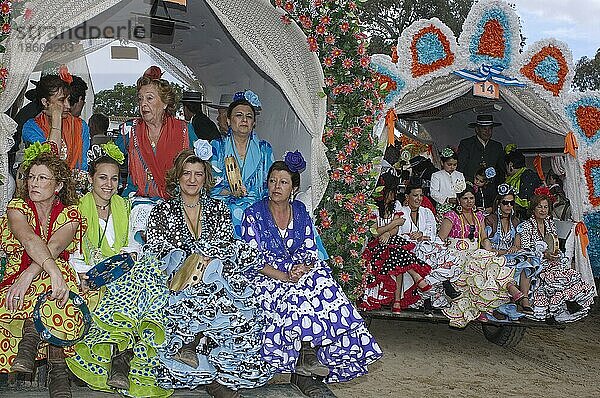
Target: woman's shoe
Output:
[
  {"x": 59, "y": 384},
  {"x": 27, "y": 349},
  {"x": 573, "y": 307},
  {"x": 424, "y": 288},
  {"x": 118, "y": 376},
  {"x": 307, "y": 385},
  {"x": 519, "y": 298},
  {"x": 218, "y": 390},
  {"x": 397, "y": 307},
  {"x": 450, "y": 291},
  {"x": 428, "y": 307},
  {"x": 308, "y": 363},
  {"x": 187, "y": 353}
]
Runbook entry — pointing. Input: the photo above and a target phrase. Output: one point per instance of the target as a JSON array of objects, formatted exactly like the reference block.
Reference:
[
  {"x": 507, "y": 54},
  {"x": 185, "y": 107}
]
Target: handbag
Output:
[
  {"x": 190, "y": 273},
  {"x": 552, "y": 242}
]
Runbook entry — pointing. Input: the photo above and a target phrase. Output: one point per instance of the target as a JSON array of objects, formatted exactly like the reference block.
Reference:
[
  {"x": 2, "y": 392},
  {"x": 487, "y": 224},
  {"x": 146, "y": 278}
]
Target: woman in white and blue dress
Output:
[{"x": 311, "y": 327}]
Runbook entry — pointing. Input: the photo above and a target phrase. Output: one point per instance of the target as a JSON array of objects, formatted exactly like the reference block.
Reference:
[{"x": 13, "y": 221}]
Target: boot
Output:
[
  {"x": 308, "y": 363},
  {"x": 59, "y": 384},
  {"x": 428, "y": 307},
  {"x": 307, "y": 385},
  {"x": 218, "y": 390},
  {"x": 450, "y": 290},
  {"x": 187, "y": 353},
  {"x": 118, "y": 376},
  {"x": 27, "y": 350},
  {"x": 573, "y": 307}
]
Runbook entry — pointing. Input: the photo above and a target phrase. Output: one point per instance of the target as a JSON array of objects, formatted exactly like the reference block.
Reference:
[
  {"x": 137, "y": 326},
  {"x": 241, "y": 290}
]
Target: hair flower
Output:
[
  {"x": 460, "y": 185},
  {"x": 505, "y": 189},
  {"x": 153, "y": 72},
  {"x": 295, "y": 162},
  {"x": 510, "y": 148},
  {"x": 33, "y": 151},
  {"x": 249, "y": 96},
  {"x": 545, "y": 191},
  {"x": 447, "y": 152},
  {"x": 65, "y": 76},
  {"x": 490, "y": 173},
  {"x": 113, "y": 151},
  {"x": 203, "y": 149}
]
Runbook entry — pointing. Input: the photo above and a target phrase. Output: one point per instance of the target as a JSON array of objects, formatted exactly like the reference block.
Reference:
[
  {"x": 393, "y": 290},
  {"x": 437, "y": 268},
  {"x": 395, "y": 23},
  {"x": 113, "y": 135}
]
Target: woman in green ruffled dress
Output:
[{"x": 119, "y": 353}]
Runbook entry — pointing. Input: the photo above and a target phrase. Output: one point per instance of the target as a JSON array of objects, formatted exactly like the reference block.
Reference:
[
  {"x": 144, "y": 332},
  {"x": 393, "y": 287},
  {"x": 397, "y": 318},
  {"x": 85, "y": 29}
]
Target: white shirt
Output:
[
  {"x": 426, "y": 221},
  {"x": 443, "y": 185}
]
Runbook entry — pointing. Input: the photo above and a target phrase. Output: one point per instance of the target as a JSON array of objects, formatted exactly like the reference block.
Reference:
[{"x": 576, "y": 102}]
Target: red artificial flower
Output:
[
  {"x": 365, "y": 61},
  {"x": 353, "y": 238},
  {"x": 354, "y": 253},
  {"x": 361, "y": 169},
  {"x": 289, "y": 6},
  {"x": 325, "y": 19},
  {"x": 65, "y": 76},
  {"x": 338, "y": 197},
  {"x": 361, "y": 230},
  {"x": 286, "y": 19},
  {"x": 347, "y": 168},
  {"x": 278, "y": 3},
  {"x": 344, "y": 26},
  {"x": 312, "y": 43},
  {"x": 323, "y": 213},
  {"x": 353, "y": 144},
  {"x": 367, "y": 120},
  {"x": 3, "y": 73},
  {"x": 329, "y": 39},
  {"x": 349, "y": 206},
  {"x": 330, "y": 115},
  {"x": 336, "y": 175},
  {"x": 28, "y": 14},
  {"x": 6, "y": 28},
  {"x": 360, "y": 197},
  {"x": 344, "y": 277},
  {"x": 326, "y": 224},
  {"x": 336, "y": 52},
  {"x": 348, "y": 179},
  {"x": 341, "y": 157},
  {"x": 356, "y": 130},
  {"x": 338, "y": 260},
  {"x": 329, "y": 81},
  {"x": 328, "y": 61},
  {"x": 361, "y": 50},
  {"x": 318, "y": 3},
  {"x": 321, "y": 29},
  {"x": 337, "y": 90},
  {"x": 360, "y": 36},
  {"x": 5, "y": 8},
  {"x": 328, "y": 133},
  {"x": 545, "y": 191},
  {"x": 357, "y": 82},
  {"x": 357, "y": 216},
  {"x": 368, "y": 84},
  {"x": 153, "y": 72},
  {"x": 305, "y": 21},
  {"x": 352, "y": 6}
]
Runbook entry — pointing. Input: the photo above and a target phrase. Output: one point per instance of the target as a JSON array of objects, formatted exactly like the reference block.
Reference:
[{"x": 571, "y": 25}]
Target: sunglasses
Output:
[
  {"x": 508, "y": 202},
  {"x": 471, "y": 232}
]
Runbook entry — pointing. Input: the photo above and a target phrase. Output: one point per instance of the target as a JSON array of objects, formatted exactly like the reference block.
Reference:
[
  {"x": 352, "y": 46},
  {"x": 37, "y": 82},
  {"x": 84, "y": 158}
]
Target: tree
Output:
[
  {"x": 384, "y": 20},
  {"x": 121, "y": 100},
  {"x": 587, "y": 73}
]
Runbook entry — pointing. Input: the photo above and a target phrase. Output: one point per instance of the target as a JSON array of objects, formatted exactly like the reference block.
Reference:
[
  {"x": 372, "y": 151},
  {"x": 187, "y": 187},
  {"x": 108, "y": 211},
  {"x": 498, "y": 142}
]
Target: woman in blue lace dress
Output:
[{"x": 311, "y": 327}]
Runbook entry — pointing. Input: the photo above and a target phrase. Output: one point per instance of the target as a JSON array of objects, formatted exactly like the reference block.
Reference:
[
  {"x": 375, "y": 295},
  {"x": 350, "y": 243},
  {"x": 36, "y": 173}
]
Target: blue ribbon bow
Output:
[{"x": 489, "y": 72}]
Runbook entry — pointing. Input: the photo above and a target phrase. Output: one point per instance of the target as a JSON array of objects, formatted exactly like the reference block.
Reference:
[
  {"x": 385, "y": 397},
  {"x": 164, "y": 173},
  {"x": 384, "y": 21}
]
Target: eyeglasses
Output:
[
  {"x": 508, "y": 202},
  {"x": 42, "y": 179},
  {"x": 471, "y": 232}
]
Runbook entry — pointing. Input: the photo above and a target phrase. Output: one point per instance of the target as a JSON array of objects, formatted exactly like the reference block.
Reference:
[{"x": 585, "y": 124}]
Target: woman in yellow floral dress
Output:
[{"x": 39, "y": 232}]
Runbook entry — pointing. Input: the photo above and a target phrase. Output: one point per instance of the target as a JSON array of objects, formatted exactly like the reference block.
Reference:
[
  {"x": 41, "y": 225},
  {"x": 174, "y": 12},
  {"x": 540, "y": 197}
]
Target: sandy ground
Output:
[{"x": 432, "y": 360}]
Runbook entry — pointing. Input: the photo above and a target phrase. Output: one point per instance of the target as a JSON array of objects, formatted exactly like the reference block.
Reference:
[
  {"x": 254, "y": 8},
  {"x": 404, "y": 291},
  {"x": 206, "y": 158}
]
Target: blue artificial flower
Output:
[
  {"x": 295, "y": 162},
  {"x": 252, "y": 98},
  {"x": 490, "y": 173}
]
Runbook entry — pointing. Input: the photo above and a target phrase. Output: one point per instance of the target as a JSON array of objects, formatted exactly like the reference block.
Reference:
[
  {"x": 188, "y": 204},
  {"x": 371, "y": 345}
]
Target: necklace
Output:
[
  {"x": 153, "y": 143},
  {"x": 237, "y": 157},
  {"x": 103, "y": 207},
  {"x": 191, "y": 206},
  {"x": 195, "y": 231}
]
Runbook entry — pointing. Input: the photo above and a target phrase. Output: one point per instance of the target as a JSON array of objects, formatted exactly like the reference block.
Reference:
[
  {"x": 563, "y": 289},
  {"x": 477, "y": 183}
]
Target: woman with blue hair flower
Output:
[
  {"x": 240, "y": 159},
  {"x": 311, "y": 328}
]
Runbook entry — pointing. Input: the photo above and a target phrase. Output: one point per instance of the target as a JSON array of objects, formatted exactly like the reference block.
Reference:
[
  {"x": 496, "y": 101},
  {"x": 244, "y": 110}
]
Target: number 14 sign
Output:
[{"x": 486, "y": 89}]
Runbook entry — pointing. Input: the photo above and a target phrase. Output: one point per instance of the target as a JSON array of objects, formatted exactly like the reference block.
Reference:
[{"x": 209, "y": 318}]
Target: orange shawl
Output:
[{"x": 72, "y": 129}]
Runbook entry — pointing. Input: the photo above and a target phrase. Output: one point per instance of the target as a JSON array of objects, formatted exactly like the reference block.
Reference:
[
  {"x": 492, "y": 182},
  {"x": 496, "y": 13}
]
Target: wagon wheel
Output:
[{"x": 504, "y": 336}]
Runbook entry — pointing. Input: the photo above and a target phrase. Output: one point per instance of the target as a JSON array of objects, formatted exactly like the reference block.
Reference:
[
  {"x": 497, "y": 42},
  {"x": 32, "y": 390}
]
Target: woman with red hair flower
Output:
[{"x": 562, "y": 295}]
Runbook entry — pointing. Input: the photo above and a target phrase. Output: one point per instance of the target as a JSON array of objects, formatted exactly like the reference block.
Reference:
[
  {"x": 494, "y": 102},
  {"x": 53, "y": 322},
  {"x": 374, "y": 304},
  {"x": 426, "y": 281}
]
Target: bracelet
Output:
[{"x": 43, "y": 262}]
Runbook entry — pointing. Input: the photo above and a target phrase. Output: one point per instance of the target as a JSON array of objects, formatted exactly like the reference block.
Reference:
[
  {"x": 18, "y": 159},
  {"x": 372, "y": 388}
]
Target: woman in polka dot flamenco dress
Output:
[{"x": 311, "y": 329}]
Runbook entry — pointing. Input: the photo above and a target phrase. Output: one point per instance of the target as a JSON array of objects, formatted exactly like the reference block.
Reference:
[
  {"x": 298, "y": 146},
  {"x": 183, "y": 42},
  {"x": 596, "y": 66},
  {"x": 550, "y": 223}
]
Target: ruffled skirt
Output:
[
  {"x": 315, "y": 310},
  {"x": 129, "y": 316}
]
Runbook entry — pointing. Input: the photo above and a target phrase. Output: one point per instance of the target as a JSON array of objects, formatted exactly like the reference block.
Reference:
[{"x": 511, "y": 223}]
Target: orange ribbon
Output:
[
  {"x": 571, "y": 144},
  {"x": 582, "y": 232},
  {"x": 395, "y": 54},
  {"x": 537, "y": 163},
  {"x": 390, "y": 121}
]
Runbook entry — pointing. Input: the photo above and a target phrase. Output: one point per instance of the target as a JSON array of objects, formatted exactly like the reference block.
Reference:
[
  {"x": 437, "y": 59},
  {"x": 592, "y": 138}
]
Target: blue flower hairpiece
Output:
[
  {"x": 249, "y": 96},
  {"x": 505, "y": 189},
  {"x": 490, "y": 173},
  {"x": 294, "y": 161}
]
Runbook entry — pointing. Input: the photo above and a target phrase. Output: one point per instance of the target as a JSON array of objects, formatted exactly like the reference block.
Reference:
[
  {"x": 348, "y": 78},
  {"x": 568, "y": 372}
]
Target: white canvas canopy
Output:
[{"x": 229, "y": 46}]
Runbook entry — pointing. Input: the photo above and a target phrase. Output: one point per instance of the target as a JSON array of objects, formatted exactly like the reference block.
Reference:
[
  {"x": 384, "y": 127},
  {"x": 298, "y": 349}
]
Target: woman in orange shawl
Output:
[
  {"x": 153, "y": 141},
  {"x": 56, "y": 124}
]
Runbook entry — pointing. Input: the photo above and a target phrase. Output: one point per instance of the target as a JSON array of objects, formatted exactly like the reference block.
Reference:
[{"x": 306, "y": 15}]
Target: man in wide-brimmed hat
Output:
[
  {"x": 199, "y": 123},
  {"x": 221, "y": 107},
  {"x": 480, "y": 150}
]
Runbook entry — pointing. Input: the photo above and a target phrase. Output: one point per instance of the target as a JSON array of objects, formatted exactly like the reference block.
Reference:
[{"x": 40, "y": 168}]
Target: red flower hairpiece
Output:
[
  {"x": 65, "y": 76},
  {"x": 153, "y": 72},
  {"x": 545, "y": 191}
]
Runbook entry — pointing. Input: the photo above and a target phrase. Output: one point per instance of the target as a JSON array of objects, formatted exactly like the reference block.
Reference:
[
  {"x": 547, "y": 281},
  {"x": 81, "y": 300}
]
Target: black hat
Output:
[
  {"x": 193, "y": 96},
  {"x": 485, "y": 121},
  {"x": 31, "y": 94}
]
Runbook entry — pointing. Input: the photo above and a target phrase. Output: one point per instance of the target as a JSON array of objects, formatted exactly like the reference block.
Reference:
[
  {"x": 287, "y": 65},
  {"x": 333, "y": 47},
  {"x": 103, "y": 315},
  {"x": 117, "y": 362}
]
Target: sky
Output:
[{"x": 576, "y": 22}]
